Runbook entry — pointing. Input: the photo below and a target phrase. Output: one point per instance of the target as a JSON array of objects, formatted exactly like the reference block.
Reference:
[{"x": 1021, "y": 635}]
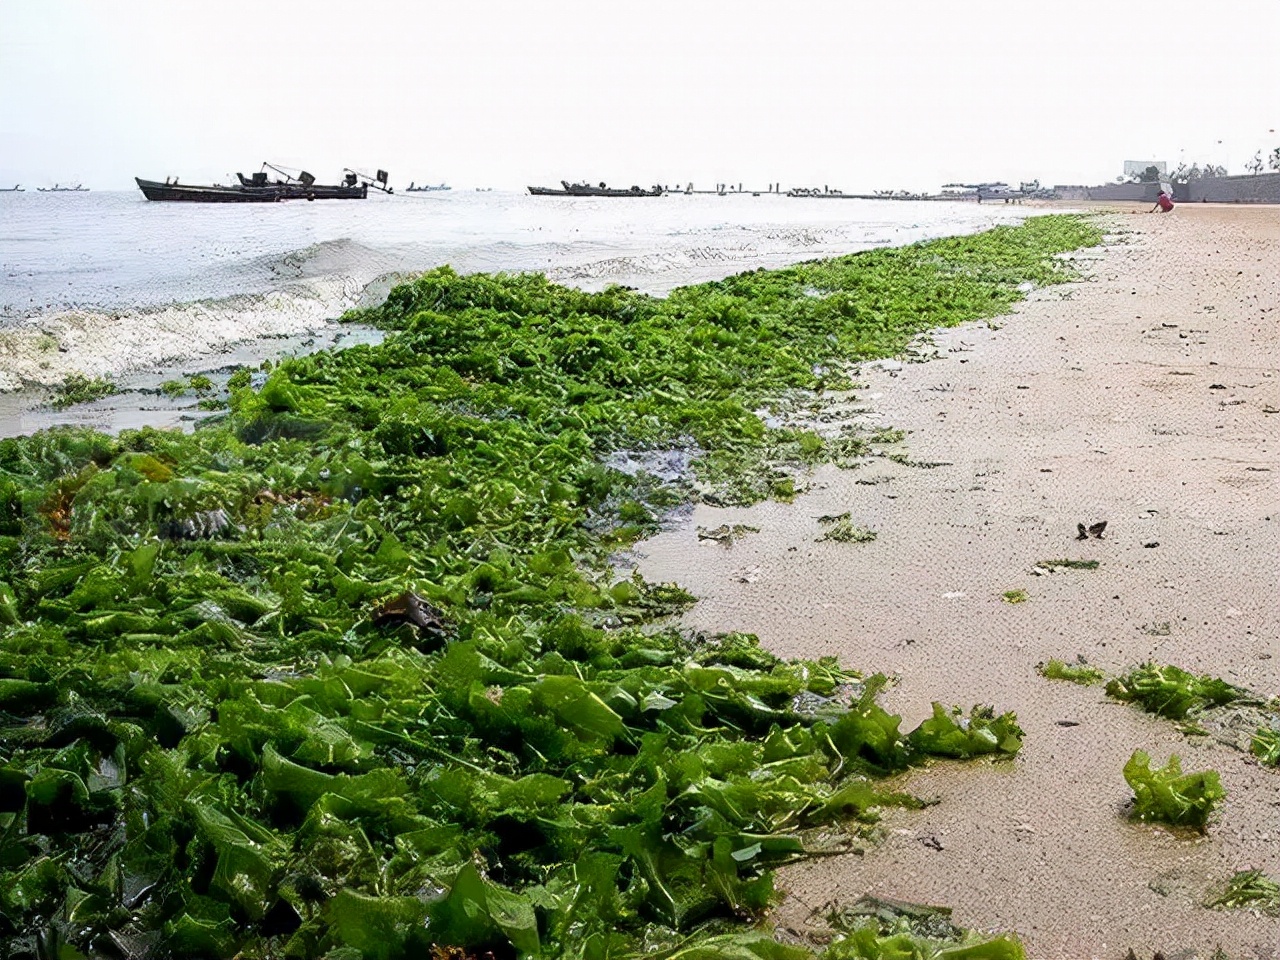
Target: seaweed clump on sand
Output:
[
  {"x": 1167, "y": 795},
  {"x": 348, "y": 673}
]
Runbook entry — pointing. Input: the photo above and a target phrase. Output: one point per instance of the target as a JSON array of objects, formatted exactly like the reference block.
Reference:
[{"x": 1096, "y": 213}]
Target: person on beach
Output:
[{"x": 1164, "y": 203}]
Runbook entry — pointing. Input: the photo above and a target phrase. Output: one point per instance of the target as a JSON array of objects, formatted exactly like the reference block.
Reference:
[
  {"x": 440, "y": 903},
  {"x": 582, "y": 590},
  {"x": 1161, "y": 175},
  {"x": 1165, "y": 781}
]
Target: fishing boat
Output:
[
  {"x": 213, "y": 193},
  {"x": 259, "y": 189},
  {"x": 426, "y": 187},
  {"x": 587, "y": 190},
  {"x": 16, "y": 188},
  {"x": 58, "y": 188}
]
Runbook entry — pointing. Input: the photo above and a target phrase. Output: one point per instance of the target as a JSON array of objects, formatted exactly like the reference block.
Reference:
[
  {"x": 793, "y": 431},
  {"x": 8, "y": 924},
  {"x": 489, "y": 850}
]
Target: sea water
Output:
[{"x": 106, "y": 282}]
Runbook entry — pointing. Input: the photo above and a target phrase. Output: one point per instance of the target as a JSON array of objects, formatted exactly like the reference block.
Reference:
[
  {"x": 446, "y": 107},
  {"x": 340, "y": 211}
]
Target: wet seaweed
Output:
[
  {"x": 1248, "y": 890},
  {"x": 349, "y": 673},
  {"x": 78, "y": 388},
  {"x": 1167, "y": 795},
  {"x": 1172, "y": 692},
  {"x": 875, "y": 928},
  {"x": 1080, "y": 673},
  {"x": 842, "y": 529}
]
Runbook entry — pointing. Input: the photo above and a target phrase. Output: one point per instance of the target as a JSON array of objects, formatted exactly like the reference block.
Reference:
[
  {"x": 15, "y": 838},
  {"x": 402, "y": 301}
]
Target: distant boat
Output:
[
  {"x": 426, "y": 187},
  {"x": 57, "y": 188},
  {"x": 587, "y": 190},
  {"x": 16, "y": 188}
]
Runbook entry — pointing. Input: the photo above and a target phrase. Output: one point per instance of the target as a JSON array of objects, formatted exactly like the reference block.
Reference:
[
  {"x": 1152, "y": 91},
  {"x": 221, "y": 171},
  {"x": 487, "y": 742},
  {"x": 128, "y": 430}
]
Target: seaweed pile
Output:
[{"x": 346, "y": 673}]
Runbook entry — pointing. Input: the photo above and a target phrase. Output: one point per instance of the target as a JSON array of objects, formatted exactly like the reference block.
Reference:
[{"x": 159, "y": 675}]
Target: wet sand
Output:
[{"x": 1148, "y": 396}]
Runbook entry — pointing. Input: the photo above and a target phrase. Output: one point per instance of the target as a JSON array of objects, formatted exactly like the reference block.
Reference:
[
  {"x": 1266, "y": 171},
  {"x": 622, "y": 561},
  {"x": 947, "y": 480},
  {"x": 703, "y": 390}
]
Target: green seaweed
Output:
[
  {"x": 880, "y": 929},
  {"x": 1015, "y": 596},
  {"x": 1082, "y": 673},
  {"x": 78, "y": 388},
  {"x": 1068, "y": 564},
  {"x": 1265, "y": 745},
  {"x": 349, "y": 672},
  {"x": 1167, "y": 795},
  {"x": 1172, "y": 692},
  {"x": 842, "y": 529},
  {"x": 1248, "y": 890}
]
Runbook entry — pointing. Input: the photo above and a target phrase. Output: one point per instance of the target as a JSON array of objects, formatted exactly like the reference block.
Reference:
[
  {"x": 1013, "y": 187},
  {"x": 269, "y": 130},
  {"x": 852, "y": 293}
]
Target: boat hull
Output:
[
  {"x": 296, "y": 191},
  {"x": 154, "y": 190},
  {"x": 580, "y": 191}
]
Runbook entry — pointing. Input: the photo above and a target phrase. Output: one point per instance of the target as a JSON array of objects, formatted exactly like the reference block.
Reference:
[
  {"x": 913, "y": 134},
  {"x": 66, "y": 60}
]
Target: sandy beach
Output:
[{"x": 1145, "y": 395}]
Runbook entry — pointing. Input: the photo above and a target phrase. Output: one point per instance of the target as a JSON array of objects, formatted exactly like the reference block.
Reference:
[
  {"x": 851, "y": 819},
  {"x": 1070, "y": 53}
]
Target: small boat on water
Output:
[
  {"x": 213, "y": 193},
  {"x": 58, "y": 188},
  {"x": 587, "y": 190},
  {"x": 16, "y": 188},
  {"x": 426, "y": 187},
  {"x": 259, "y": 189}
]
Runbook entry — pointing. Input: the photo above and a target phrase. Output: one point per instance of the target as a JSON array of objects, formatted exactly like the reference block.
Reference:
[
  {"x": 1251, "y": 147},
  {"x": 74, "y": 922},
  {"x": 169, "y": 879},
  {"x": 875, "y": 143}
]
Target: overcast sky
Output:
[{"x": 857, "y": 94}]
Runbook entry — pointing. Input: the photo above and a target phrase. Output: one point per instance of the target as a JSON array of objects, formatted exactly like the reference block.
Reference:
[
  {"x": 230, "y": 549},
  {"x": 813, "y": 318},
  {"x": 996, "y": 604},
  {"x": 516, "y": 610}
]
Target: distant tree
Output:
[
  {"x": 1275, "y": 160},
  {"x": 1150, "y": 175},
  {"x": 1254, "y": 166},
  {"x": 1211, "y": 171}
]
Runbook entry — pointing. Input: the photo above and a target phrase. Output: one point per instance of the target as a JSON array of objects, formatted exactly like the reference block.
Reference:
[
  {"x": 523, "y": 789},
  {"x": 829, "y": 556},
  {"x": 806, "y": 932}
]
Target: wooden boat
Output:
[
  {"x": 426, "y": 187},
  {"x": 58, "y": 188},
  {"x": 215, "y": 193},
  {"x": 587, "y": 190},
  {"x": 258, "y": 189}
]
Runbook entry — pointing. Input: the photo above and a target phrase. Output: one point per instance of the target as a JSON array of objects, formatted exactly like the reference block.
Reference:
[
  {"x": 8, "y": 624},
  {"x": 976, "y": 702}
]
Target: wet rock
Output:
[{"x": 409, "y": 608}]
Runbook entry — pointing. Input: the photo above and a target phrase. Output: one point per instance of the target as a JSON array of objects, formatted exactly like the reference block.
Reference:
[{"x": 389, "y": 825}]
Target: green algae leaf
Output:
[
  {"x": 380, "y": 927},
  {"x": 1265, "y": 745},
  {"x": 950, "y": 734},
  {"x": 877, "y": 929},
  {"x": 1166, "y": 795},
  {"x": 476, "y": 913},
  {"x": 1082, "y": 674},
  {"x": 734, "y": 946},
  {"x": 1172, "y": 692},
  {"x": 1248, "y": 890}
]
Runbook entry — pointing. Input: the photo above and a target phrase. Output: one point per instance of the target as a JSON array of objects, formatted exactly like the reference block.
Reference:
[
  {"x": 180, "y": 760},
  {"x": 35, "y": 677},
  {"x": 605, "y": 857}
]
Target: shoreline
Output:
[
  {"x": 1090, "y": 401},
  {"x": 301, "y": 293}
]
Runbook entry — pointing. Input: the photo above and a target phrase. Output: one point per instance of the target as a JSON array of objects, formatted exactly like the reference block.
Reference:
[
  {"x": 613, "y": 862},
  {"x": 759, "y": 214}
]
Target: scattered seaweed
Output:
[
  {"x": 1200, "y": 705},
  {"x": 1015, "y": 596},
  {"x": 1167, "y": 795}
]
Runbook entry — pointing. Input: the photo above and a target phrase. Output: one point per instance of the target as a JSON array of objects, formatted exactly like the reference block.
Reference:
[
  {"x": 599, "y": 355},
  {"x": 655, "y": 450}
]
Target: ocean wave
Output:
[{"x": 44, "y": 350}]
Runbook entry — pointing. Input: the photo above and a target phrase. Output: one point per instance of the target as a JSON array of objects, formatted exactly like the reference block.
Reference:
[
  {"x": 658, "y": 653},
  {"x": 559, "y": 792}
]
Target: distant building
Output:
[{"x": 1136, "y": 168}]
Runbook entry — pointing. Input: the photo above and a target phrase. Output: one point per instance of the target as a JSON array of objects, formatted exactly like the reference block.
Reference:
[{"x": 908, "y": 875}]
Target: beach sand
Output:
[{"x": 1148, "y": 396}]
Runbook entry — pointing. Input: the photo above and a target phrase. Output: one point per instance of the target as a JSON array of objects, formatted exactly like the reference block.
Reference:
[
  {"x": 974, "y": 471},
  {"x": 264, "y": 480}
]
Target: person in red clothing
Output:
[{"x": 1164, "y": 203}]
